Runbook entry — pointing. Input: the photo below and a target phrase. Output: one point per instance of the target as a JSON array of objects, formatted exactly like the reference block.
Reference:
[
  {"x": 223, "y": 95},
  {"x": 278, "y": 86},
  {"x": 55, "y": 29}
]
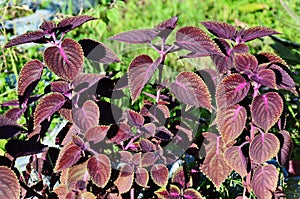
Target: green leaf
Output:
[{"x": 113, "y": 15}]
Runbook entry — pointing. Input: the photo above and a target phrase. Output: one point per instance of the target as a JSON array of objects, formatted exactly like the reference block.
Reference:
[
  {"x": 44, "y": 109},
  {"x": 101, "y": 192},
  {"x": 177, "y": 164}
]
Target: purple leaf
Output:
[
  {"x": 254, "y": 33},
  {"x": 76, "y": 174},
  {"x": 286, "y": 148},
  {"x": 9, "y": 184},
  {"x": 136, "y": 36},
  {"x": 240, "y": 48},
  {"x": 223, "y": 63},
  {"x": 263, "y": 147},
  {"x": 179, "y": 177},
  {"x": 36, "y": 37},
  {"x": 65, "y": 61},
  {"x": 48, "y": 26},
  {"x": 159, "y": 174},
  {"x": 125, "y": 178},
  {"x": 191, "y": 193},
  {"x": 96, "y": 134},
  {"x": 141, "y": 177},
  {"x": 71, "y": 23},
  {"x": 245, "y": 62},
  {"x": 98, "y": 52},
  {"x": 99, "y": 168},
  {"x": 18, "y": 148},
  {"x": 29, "y": 78},
  {"x": 60, "y": 86},
  {"x": 231, "y": 90},
  {"x": 85, "y": 81},
  {"x": 166, "y": 27},
  {"x": 264, "y": 181},
  {"x": 231, "y": 122},
  {"x": 135, "y": 118},
  {"x": 8, "y": 128},
  {"x": 147, "y": 145},
  {"x": 283, "y": 79},
  {"x": 268, "y": 57},
  {"x": 266, "y": 110},
  {"x": 220, "y": 29},
  {"x": 191, "y": 89},
  {"x": 196, "y": 40},
  {"x": 265, "y": 77},
  {"x": 122, "y": 133},
  {"x": 14, "y": 114},
  {"x": 140, "y": 71},
  {"x": 87, "y": 116},
  {"x": 148, "y": 159},
  {"x": 236, "y": 159},
  {"x": 47, "y": 106}
]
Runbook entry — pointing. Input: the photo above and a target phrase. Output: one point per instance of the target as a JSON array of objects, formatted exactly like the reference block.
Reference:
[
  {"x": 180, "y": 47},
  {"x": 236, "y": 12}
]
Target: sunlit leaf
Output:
[
  {"x": 191, "y": 193},
  {"x": 264, "y": 181},
  {"x": 283, "y": 79},
  {"x": 141, "y": 177},
  {"x": 77, "y": 173},
  {"x": 266, "y": 109},
  {"x": 96, "y": 134},
  {"x": 231, "y": 122},
  {"x": 125, "y": 178},
  {"x": 71, "y": 23},
  {"x": 220, "y": 29},
  {"x": 231, "y": 90},
  {"x": 136, "y": 36},
  {"x": 263, "y": 147},
  {"x": 35, "y": 36},
  {"x": 166, "y": 27},
  {"x": 61, "y": 191},
  {"x": 9, "y": 184},
  {"x": 14, "y": 114},
  {"x": 236, "y": 159},
  {"x": 179, "y": 177},
  {"x": 135, "y": 118},
  {"x": 148, "y": 159},
  {"x": 265, "y": 77},
  {"x": 66, "y": 61},
  {"x": 147, "y": 145},
  {"x": 159, "y": 174},
  {"x": 88, "y": 195},
  {"x": 47, "y": 106},
  {"x": 192, "y": 90},
  {"x": 47, "y": 26},
  {"x": 245, "y": 62},
  {"x": 286, "y": 148},
  {"x": 254, "y": 33},
  {"x": 99, "y": 168},
  {"x": 60, "y": 87}
]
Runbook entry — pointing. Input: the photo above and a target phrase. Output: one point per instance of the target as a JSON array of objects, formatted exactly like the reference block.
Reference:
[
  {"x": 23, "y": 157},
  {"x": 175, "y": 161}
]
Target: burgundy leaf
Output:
[
  {"x": 67, "y": 157},
  {"x": 77, "y": 173},
  {"x": 148, "y": 159},
  {"x": 35, "y": 36},
  {"x": 231, "y": 90},
  {"x": 48, "y": 26},
  {"x": 136, "y": 36},
  {"x": 136, "y": 159},
  {"x": 236, "y": 159},
  {"x": 220, "y": 29},
  {"x": 231, "y": 122},
  {"x": 191, "y": 90},
  {"x": 264, "y": 181},
  {"x": 125, "y": 156},
  {"x": 141, "y": 177},
  {"x": 286, "y": 148},
  {"x": 196, "y": 40},
  {"x": 84, "y": 82},
  {"x": 99, "y": 168},
  {"x": 163, "y": 193},
  {"x": 140, "y": 71},
  {"x": 266, "y": 110},
  {"x": 125, "y": 178},
  {"x": 263, "y": 147},
  {"x": 97, "y": 51},
  {"x": 65, "y": 61},
  {"x": 8, "y": 128},
  {"x": 179, "y": 177},
  {"x": 147, "y": 145},
  {"x": 14, "y": 114},
  {"x": 9, "y": 184},
  {"x": 24, "y": 147},
  {"x": 29, "y": 77},
  {"x": 210, "y": 141},
  {"x": 96, "y": 134},
  {"x": 191, "y": 193},
  {"x": 254, "y": 33},
  {"x": 123, "y": 133},
  {"x": 245, "y": 62},
  {"x": 240, "y": 48},
  {"x": 159, "y": 174},
  {"x": 268, "y": 57},
  {"x": 265, "y": 77},
  {"x": 222, "y": 62},
  {"x": 71, "y": 23},
  {"x": 87, "y": 116},
  {"x": 66, "y": 114},
  {"x": 283, "y": 79},
  {"x": 47, "y": 106},
  {"x": 60, "y": 87},
  {"x": 166, "y": 27},
  {"x": 135, "y": 118},
  {"x": 294, "y": 166}
]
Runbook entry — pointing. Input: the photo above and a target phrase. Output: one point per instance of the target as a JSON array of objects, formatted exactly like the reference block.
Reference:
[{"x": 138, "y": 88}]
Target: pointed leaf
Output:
[
  {"x": 48, "y": 26},
  {"x": 148, "y": 159},
  {"x": 231, "y": 90},
  {"x": 35, "y": 36},
  {"x": 99, "y": 168},
  {"x": 147, "y": 145},
  {"x": 75, "y": 174},
  {"x": 263, "y": 147},
  {"x": 61, "y": 191},
  {"x": 264, "y": 181},
  {"x": 141, "y": 177},
  {"x": 268, "y": 57},
  {"x": 191, "y": 90},
  {"x": 125, "y": 178},
  {"x": 266, "y": 110},
  {"x": 159, "y": 174},
  {"x": 8, "y": 128},
  {"x": 71, "y": 23},
  {"x": 179, "y": 177},
  {"x": 24, "y": 147},
  {"x": 47, "y": 106},
  {"x": 135, "y": 118},
  {"x": 191, "y": 193},
  {"x": 265, "y": 77},
  {"x": 283, "y": 79},
  {"x": 9, "y": 184},
  {"x": 222, "y": 62},
  {"x": 60, "y": 87},
  {"x": 236, "y": 159},
  {"x": 231, "y": 122},
  {"x": 67, "y": 157},
  {"x": 98, "y": 52},
  {"x": 254, "y": 33},
  {"x": 96, "y": 134},
  {"x": 29, "y": 78},
  {"x": 245, "y": 62},
  {"x": 196, "y": 40},
  {"x": 166, "y": 27},
  {"x": 286, "y": 148},
  {"x": 65, "y": 61},
  {"x": 136, "y": 36},
  {"x": 119, "y": 134},
  {"x": 87, "y": 116},
  {"x": 140, "y": 71},
  {"x": 220, "y": 29},
  {"x": 14, "y": 114}
]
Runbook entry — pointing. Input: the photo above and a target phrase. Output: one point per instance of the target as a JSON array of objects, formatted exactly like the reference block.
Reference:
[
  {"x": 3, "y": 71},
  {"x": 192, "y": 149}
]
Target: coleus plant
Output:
[{"x": 107, "y": 151}]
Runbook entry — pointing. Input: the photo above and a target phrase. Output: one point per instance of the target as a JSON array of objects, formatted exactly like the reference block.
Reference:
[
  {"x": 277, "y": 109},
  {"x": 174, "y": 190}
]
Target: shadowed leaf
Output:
[
  {"x": 220, "y": 29},
  {"x": 141, "y": 177},
  {"x": 8, "y": 128},
  {"x": 148, "y": 159},
  {"x": 236, "y": 159},
  {"x": 191, "y": 193},
  {"x": 71, "y": 23},
  {"x": 254, "y": 33},
  {"x": 166, "y": 27},
  {"x": 9, "y": 184},
  {"x": 65, "y": 61},
  {"x": 231, "y": 90},
  {"x": 136, "y": 36},
  {"x": 47, "y": 26},
  {"x": 263, "y": 147},
  {"x": 96, "y": 134},
  {"x": 14, "y": 114},
  {"x": 191, "y": 89},
  {"x": 35, "y": 36},
  {"x": 77, "y": 173},
  {"x": 283, "y": 79},
  {"x": 265, "y": 77},
  {"x": 286, "y": 148},
  {"x": 245, "y": 62},
  {"x": 159, "y": 174},
  {"x": 99, "y": 168},
  {"x": 147, "y": 145},
  {"x": 264, "y": 181},
  {"x": 266, "y": 110},
  {"x": 135, "y": 118},
  {"x": 18, "y": 148},
  {"x": 60, "y": 87},
  {"x": 125, "y": 178}
]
